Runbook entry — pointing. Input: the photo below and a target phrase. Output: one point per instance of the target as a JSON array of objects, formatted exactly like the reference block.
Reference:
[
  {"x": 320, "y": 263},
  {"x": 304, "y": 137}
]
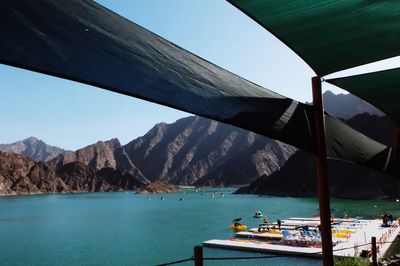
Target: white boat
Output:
[{"x": 258, "y": 214}]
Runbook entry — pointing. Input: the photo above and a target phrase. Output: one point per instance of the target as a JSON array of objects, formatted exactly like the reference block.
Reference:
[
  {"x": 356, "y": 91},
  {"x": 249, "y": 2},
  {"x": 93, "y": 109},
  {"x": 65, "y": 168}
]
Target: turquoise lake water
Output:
[{"x": 128, "y": 229}]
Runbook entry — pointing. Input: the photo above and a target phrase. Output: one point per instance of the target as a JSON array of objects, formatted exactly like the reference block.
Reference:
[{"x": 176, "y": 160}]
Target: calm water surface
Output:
[{"x": 129, "y": 229}]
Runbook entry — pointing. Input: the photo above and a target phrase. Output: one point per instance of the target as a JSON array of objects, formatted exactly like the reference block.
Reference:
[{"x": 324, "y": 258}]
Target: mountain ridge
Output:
[
  {"x": 23, "y": 175},
  {"x": 191, "y": 151},
  {"x": 102, "y": 154},
  {"x": 193, "y": 147},
  {"x": 35, "y": 148},
  {"x": 347, "y": 106}
]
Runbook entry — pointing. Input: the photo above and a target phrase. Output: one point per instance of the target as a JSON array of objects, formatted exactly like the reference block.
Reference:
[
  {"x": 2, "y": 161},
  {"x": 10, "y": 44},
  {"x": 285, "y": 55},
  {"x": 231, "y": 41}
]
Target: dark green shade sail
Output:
[
  {"x": 82, "y": 41},
  {"x": 382, "y": 89},
  {"x": 331, "y": 35}
]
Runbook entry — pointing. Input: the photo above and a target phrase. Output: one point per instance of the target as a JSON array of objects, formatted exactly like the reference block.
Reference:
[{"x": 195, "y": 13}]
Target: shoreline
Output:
[{"x": 385, "y": 199}]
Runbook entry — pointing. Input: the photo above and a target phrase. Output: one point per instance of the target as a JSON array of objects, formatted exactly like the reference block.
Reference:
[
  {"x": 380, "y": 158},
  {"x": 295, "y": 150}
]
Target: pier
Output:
[{"x": 351, "y": 237}]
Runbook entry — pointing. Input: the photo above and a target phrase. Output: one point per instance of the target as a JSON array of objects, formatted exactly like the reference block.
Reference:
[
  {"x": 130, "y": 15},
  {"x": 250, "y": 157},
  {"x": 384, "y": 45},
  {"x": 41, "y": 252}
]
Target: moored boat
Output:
[
  {"x": 237, "y": 226},
  {"x": 258, "y": 214}
]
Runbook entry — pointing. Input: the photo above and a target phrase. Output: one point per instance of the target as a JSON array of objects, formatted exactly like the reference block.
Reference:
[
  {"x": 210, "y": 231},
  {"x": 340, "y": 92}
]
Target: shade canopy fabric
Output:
[
  {"x": 382, "y": 89},
  {"x": 85, "y": 42},
  {"x": 331, "y": 35}
]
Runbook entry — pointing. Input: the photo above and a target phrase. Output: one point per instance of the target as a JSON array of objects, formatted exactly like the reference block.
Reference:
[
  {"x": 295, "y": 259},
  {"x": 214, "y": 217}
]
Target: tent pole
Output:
[
  {"x": 322, "y": 174},
  {"x": 396, "y": 145},
  {"x": 396, "y": 142}
]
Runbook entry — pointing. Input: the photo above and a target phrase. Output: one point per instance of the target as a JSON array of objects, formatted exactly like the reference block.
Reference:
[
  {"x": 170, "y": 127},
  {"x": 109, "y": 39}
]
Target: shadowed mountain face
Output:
[
  {"x": 32, "y": 147},
  {"x": 298, "y": 176},
  {"x": 107, "y": 154},
  {"x": 200, "y": 151},
  {"x": 347, "y": 105},
  {"x": 379, "y": 128}
]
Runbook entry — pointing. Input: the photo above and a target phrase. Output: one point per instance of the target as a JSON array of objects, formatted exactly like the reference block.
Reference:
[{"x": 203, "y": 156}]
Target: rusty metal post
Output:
[
  {"x": 322, "y": 174},
  {"x": 373, "y": 252},
  {"x": 198, "y": 255}
]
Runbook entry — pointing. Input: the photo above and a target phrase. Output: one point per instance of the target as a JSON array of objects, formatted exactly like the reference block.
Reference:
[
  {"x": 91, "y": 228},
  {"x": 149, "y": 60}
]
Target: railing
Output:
[{"x": 198, "y": 254}]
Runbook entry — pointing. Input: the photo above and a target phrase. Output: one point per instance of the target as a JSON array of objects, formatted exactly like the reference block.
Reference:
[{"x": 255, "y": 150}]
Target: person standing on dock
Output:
[
  {"x": 279, "y": 224},
  {"x": 390, "y": 218}
]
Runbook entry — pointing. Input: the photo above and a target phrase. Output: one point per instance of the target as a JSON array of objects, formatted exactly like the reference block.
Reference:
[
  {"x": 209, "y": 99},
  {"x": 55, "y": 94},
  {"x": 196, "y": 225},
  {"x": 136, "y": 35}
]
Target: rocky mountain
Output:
[
  {"x": 191, "y": 151},
  {"x": 108, "y": 154},
  {"x": 23, "y": 175},
  {"x": 32, "y": 147},
  {"x": 199, "y": 151},
  {"x": 298, "y": 176},
  {"x": 80, "y": 177},
  {"x": 347, "y": 105}
]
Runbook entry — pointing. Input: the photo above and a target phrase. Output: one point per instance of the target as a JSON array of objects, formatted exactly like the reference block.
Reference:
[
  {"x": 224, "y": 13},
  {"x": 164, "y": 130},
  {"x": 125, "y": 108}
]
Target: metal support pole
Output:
[
  {"x": 322, "y": 174},
  {"x": 396, "y": 142},
  {"x": 373, "y": 252},
  {"x": 198, "y": 256},
  {"x": 396, "y": 145}
]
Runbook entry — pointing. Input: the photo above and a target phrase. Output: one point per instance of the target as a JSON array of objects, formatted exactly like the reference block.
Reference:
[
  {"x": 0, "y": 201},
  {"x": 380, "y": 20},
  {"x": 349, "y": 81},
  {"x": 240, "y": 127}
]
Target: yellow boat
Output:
[
  {"x": 273, "y": 231},
  {"x": 347, "y": 231},
  {"x": 343, "y": 231},
  {"x": 238, "y": 227},
  {"x": 341, "y": 235}
]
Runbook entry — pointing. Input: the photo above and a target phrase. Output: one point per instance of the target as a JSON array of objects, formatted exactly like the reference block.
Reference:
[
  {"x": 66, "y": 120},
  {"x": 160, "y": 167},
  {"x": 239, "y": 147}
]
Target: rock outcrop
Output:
[
  {"x": 23, "y": 175},
  {"x": 157, "y": 187},
  {"x": 103, "y": 154},
  {"x": 32, "y": 147}
]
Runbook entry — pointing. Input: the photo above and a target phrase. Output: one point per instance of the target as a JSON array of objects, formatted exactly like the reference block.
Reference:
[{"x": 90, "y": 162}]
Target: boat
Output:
[
  {"x": 265, "y": 229},
  {"x": 258, "y": 214},
  {"x": 237, "y": 226}
]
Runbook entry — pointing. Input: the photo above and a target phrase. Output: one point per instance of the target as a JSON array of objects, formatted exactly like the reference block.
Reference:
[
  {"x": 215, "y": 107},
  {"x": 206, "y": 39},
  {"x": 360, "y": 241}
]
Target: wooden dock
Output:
[{"x": 348, "y": 246}]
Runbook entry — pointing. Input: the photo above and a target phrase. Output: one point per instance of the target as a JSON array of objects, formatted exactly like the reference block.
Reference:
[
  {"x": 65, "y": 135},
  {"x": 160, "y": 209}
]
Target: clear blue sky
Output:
[{"x": 72, "y": 115}]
